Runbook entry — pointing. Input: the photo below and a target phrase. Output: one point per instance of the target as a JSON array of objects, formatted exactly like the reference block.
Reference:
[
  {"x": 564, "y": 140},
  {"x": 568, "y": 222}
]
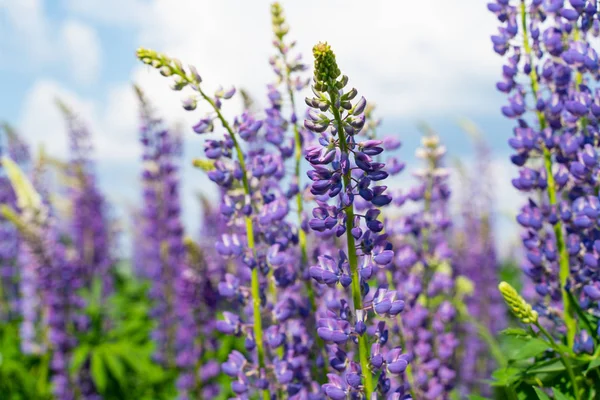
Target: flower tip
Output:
[
  {"x": 321, "y": 49},
  {"x": 504, "y": 286}
]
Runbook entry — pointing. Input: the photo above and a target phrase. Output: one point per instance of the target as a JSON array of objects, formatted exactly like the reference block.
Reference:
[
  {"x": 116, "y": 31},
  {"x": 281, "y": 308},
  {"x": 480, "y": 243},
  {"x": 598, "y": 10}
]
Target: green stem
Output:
[
  {"x": 564, "y": 270},
  {"x": 254, "y": 284},
  {"x": 321, "y": 375},
  {"x": 486, "y": 335},
  {"x": 563, "y": 359},
  {"x": 3, "y": 303},
  {"x": 408, "y": 371},
  {"x": 510, "y": 392},
  {"x": 363, "y": 349},
  {"x": 297, "y": 172},
  {"x": 429, "y": 271}
]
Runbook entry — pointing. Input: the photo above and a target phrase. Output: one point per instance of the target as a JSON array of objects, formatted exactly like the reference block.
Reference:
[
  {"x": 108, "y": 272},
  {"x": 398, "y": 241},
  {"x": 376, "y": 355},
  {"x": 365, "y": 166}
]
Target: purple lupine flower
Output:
[
  {"x": 164, "y": 256},
  {"x": 550, "y": 50},
  {"x": 476, "y": 258},
  {"x": 89, "y": 222},
  {"x": 421, "y": 270},
  {"x": 54, "y": 272},
  {"x": 10, "y": 277},
  {"x": 259, "y": 244},
  {"x": 337, "y": 160}
]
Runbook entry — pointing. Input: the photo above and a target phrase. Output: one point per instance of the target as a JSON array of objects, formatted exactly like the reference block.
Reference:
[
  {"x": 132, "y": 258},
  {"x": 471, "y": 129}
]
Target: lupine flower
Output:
[
  {"x": 164, "y": 252},
  {"x": 476, "y": 262},
  {"x": 337, "y": 160},
  {"x": 422, "y": 273},
  {"x": 519, "y": 307},
  {"x": 260, "y": 244},
  {"x": 55, "y": 274},
  {"x": 18, "y": 151},
  {"x": 551, "y": 69},
  {"x": 89, "y": 211}
]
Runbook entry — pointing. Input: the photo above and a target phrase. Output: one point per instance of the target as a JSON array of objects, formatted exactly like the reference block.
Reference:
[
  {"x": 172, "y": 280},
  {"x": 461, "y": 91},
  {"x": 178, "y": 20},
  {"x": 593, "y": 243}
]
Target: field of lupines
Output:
[{"x": 315, "y": 274}]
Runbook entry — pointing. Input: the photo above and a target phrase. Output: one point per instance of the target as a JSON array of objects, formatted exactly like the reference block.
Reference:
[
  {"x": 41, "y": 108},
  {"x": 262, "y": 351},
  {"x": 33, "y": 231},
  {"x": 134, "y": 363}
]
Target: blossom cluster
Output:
[
  {"x": 549, "y": 77},
  {"x": 317, "y": 273}
]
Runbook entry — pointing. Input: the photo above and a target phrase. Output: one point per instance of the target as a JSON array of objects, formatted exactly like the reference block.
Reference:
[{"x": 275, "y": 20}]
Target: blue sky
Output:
[{"x": 419, "y": 61}]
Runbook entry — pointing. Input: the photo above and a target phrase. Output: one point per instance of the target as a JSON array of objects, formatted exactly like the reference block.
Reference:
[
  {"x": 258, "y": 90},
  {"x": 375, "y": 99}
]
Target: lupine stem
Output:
[
  {"x": 483, "y": 332},
  {"x": 363, "y": 349},
  {"x": 176, "y": 69},
  {"x": 321, "y": 377},
  {"x": 254, "y": 284},
  {"x": 297, "y": 172},
  {"x": 428, "y": 273},
  {"x": 3, "y": 305},
  {"x": 408, "y": 371},
  {"x": 564, "y": 270},
  {"x": 563, "y": 359}
]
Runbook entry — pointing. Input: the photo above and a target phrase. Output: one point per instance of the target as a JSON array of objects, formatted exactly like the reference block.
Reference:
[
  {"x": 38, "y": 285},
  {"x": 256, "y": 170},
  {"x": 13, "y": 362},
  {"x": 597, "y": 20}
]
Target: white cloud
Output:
[
  {"x": 41, "y": 120},
  {"x": 27, "y": 19},
  {"x": 121, "y": 12},
  {"x": 411, "y": 58},
  {"x": 115, "y": 139},
  {"x": 414, "y": 59},
  {"x": 37, "y": 42},
  {"x": 82, "y": 50}
]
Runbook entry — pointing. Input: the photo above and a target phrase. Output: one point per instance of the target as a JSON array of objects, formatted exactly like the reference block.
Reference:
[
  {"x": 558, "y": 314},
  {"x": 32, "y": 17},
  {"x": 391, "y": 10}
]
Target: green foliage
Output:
[
  {"x": 117, "y": 349},
  {"x": 21, "y": 377},
  {"x": 536, "y": 363}
]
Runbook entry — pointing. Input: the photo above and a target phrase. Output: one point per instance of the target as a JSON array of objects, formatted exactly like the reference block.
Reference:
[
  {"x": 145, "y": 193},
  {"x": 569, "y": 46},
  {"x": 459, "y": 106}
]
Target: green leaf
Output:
[
  {"x": 558, "y": 395},
  {"x": 546, "y": 366},
  {"x": 514, "y": 332},
  {"x": 505, "y": 376},
  {"x": 80, "y": 355},
  {"x": 131, "y": 357},
  {"x": 594, "y": 364},
  {"x": 532, "y": 348},
  {"x": 476, "y": 397},
  {"x": 98, "y": 371},
  {"x": 541, "y": 394},
  {"x": 114, "y": 366}
]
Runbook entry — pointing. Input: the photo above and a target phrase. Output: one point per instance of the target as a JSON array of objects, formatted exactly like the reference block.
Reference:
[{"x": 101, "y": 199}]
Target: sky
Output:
[{"x": 419, "y": 61}]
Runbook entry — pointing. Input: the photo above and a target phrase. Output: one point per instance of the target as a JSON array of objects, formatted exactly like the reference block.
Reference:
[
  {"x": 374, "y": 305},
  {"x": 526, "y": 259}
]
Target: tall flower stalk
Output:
[
  {"x": 342, "y": 169},
  {"x": 476, "y": 257},
  {"x": 54, "y": 272},
  {"x": 552, "y": 64},
  {"x": 424, "y": 274},
  {"x": 222, "y": 175},
  {"x": 90, "y": 225},
  {"x": 14, "y": 147},
  {"x": 288, "y": 68}
]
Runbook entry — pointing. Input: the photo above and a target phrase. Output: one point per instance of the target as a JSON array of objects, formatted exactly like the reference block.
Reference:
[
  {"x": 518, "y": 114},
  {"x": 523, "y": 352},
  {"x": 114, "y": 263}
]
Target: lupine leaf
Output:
[
  {"x": 114, "y": 366},
  {"x": 98, "y": 370},
  {"x": 541, "y": 394},
  {"x": 514, "y": 332},
  {"x": 594, "y": 364},
  {"x": 546, "y": 367},
  {"x": 505, "y": 376},
  {"x": 80, "y": 355},
  {"x": 530, "y": 349},
  {"x": 558, "y": 395}
]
